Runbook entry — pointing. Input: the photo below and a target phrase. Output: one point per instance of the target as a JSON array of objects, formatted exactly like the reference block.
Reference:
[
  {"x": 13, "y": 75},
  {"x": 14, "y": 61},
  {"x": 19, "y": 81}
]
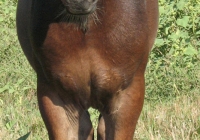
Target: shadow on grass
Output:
[{"x": 24, "y": 137}]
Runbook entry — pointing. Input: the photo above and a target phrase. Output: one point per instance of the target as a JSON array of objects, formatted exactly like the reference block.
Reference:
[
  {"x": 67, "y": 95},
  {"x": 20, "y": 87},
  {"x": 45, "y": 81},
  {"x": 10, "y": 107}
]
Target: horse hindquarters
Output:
[
  {"x": 22, "y": 22},
  {"x": 103, "y": 67}
]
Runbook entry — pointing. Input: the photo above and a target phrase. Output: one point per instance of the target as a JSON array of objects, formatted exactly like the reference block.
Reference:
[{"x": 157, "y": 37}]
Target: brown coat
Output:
[{"x": 95, "y": 59}]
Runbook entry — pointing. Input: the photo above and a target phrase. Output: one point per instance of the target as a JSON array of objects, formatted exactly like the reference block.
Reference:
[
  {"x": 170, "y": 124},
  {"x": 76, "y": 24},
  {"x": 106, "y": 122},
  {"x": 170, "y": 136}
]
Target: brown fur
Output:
[{"x": 93, "y": 61}]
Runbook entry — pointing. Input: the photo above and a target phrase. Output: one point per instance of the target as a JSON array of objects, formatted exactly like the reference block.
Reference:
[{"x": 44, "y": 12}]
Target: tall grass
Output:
[{"x": 171, "y": 110}]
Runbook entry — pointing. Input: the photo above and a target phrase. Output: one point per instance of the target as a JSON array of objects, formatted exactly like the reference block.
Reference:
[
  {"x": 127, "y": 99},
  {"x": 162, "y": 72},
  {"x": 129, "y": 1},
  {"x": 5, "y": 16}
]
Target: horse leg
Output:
[
  {"x": 121, "y": 121},
  {"x": 64, "y": 121},
  {"x": 101, "y": 128}
]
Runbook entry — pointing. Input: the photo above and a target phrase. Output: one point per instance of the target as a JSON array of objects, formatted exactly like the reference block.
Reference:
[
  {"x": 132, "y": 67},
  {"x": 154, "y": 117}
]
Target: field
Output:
[{"x": 172, "y": 101}]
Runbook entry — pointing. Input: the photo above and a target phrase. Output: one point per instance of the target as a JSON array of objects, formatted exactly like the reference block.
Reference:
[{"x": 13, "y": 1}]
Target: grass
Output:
[
  {"x": 171, "y": 109},
  {"x": 177, "y": 119}
]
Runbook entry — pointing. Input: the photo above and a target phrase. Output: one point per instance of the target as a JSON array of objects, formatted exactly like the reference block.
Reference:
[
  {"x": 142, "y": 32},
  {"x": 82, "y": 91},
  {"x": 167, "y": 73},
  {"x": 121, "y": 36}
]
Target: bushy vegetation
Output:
[
  {"x": 171, "y": 109},
  {"x": 174, "y": 62}
]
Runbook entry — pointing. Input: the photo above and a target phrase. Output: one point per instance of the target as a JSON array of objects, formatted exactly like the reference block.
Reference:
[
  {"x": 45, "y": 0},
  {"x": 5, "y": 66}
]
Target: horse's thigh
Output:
[
  {"x": 63, "y": 119},
  {"x": 86, "y": 131},
  {"x": 101, "y": 128},
  {"x": 22, "y": 23},
  {"x": 124, "y": 111}
]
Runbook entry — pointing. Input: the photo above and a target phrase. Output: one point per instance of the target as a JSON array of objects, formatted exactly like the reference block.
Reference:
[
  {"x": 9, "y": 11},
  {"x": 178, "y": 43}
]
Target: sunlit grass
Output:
[{"x": 177, "y": 119}]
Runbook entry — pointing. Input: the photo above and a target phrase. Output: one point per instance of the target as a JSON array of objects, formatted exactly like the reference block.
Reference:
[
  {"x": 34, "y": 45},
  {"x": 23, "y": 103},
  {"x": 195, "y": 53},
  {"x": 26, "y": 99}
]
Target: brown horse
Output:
[{"x": 88, "y": 53}]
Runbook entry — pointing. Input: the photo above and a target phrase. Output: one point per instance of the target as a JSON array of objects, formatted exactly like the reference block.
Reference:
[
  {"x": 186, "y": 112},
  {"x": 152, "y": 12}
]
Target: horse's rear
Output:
[{"x": 88, "y": 53}]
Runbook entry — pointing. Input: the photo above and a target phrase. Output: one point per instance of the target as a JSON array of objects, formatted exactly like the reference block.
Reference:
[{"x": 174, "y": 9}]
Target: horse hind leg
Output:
[
  {"x": 120, "y": 122},
  {"x": 101, "y": 128},
  {"x": 86, "y": 131},
  {"x": 64, "y": 121}
]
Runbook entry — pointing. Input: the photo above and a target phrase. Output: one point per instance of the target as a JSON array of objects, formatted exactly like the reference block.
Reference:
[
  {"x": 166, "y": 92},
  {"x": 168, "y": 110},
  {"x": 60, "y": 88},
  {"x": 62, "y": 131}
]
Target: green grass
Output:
[{"x": 171, "y": 109}]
